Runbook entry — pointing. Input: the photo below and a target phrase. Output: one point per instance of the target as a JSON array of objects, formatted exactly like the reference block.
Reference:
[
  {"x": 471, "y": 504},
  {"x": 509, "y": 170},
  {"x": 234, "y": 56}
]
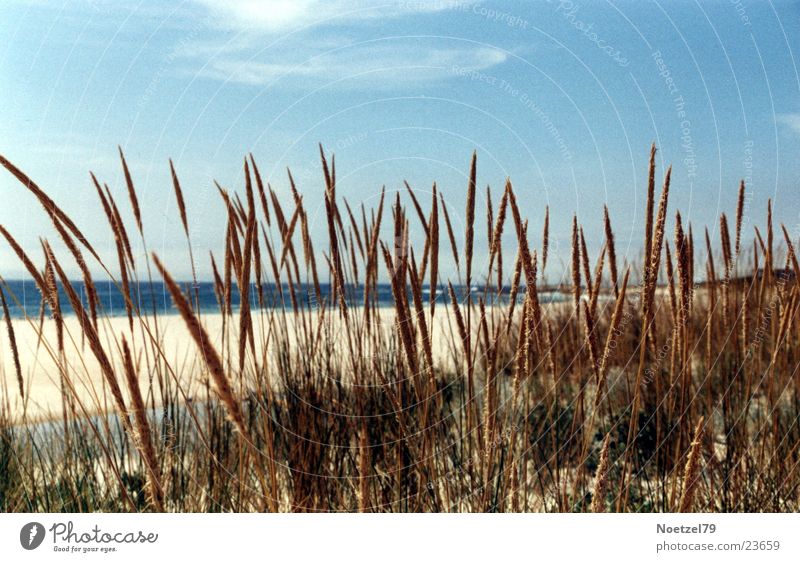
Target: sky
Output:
[{"x": 562, "y": 97}]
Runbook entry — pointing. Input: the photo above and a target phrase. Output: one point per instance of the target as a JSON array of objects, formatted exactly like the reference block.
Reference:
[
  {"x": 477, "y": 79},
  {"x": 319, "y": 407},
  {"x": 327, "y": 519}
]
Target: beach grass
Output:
[{"x": 653, "y": 387}]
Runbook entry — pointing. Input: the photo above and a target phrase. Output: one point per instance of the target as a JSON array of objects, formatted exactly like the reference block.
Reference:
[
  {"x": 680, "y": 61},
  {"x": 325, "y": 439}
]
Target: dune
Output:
[{"x": 42, "y": 366}]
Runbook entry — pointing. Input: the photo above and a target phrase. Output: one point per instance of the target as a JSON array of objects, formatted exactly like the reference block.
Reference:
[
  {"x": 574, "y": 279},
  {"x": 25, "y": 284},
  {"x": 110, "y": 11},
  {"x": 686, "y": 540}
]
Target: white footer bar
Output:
[{"x": 406, "y": 538}]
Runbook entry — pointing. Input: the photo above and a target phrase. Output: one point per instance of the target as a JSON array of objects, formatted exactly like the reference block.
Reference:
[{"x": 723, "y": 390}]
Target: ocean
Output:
[{"x": 24, "y": 298}]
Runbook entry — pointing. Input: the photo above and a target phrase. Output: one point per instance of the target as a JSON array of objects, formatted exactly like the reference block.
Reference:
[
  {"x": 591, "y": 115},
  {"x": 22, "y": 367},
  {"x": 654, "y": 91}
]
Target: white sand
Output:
[{"x": 42, "y": 374}]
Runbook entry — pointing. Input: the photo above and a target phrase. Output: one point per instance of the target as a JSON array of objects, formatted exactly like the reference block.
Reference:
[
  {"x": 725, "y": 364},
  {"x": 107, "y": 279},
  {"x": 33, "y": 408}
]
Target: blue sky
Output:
[{"x": 563, "y": 97}]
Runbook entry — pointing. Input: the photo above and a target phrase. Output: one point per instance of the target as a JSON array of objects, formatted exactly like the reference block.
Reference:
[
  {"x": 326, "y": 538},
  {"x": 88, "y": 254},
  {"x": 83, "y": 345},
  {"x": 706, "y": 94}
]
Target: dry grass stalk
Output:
[
  {"x": 364, "y": 468},
  {"x": 142, "y": 435},
  {"x": 12, "y": 341},
  {"x": 470, "y": 219},
  {"x": 119, "y": 228},
  {"x": 792, "y": 255},
  {"x": 332, "y": 214},
  {"x": 576, "y": 267},
  {"x": 184, "y": 221},
  {"x": 658, "y": 239},
  {"x": 121, "y": 254},
  {"x": 739, "y": 218},
  {"x": 417, "y": 206},
  {"x": 601, "y": 478},
  {"x": 545, "y": 237},
  {"x": 587, "y": 274},
  {"x": 496, "y": 236},
  {"x": 450, "y": 233},
  {"x": 770, "y": 238},
  {"x": 514, "y": 291},
  {"x": 137, "y": 213},
  {"x": 727, "y": 258},
  {"x": 691, "y": 472},
  {"x": 648, "y": 231},
  {"x": 51, "y": 296},
  {"x": 176, "y": 185},
  {"x": 612, "y": 253},
  {"x": 598, "y": 280},
  {"x": 611, "y": 337},
  {"x": 26, "y": 261},
  {"x": 433, "y": 235},
  {"x": 683, "y": 260},
  {"x": 261, "y": 194},
  {"x": 591, "y": 341},
  {"x": 251, "y": 238},
  {"x": 673, "y": 298}
]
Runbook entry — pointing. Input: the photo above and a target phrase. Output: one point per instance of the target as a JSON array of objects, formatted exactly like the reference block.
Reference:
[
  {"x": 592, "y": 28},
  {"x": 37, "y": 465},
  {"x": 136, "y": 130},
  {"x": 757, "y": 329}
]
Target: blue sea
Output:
[{"x": 24, "y": 298}]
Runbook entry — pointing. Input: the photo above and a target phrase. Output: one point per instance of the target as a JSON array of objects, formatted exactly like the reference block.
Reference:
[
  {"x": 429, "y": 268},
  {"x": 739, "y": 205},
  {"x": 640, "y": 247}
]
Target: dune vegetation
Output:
[{"x": 666, "y": 385}]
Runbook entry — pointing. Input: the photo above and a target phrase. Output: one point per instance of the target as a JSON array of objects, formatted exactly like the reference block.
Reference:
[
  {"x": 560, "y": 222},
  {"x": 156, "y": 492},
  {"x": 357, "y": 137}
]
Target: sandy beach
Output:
[{"x": 40, "y": 360}]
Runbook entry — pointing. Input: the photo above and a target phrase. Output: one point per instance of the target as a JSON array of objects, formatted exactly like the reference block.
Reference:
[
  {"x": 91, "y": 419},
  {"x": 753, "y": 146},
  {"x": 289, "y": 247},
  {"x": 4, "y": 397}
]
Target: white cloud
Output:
[
  {"x": 387, "y": 65},
  {"x": 791, "y": 120},
  {"x": 305, "y": 44},
  {"x": 282, "y": 15}
]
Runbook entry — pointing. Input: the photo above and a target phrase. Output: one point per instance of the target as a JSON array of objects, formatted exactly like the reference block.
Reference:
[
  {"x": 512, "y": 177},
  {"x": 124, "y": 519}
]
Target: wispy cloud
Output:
[
  {"x": 366, "y": 64},
  {"x": 791, "y": 120},
  {"x": 313, "y": 43}
]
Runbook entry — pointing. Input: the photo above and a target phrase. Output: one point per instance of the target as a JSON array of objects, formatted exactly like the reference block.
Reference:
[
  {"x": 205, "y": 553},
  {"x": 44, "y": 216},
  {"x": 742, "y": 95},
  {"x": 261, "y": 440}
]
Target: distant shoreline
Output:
[{"x": 144, "y": 293}]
